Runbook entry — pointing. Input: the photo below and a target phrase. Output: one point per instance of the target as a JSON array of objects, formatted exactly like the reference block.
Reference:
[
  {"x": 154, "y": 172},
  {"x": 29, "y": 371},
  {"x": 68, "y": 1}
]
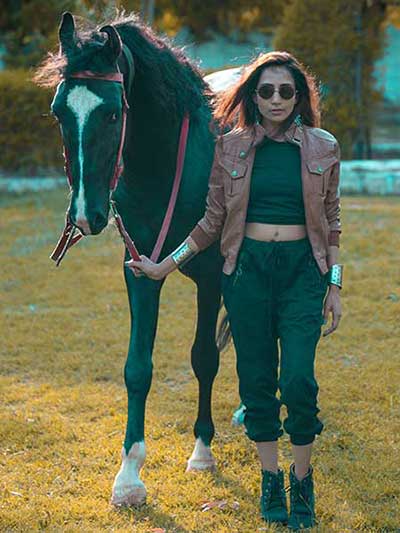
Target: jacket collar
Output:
[{"x": 293, "y": 134}]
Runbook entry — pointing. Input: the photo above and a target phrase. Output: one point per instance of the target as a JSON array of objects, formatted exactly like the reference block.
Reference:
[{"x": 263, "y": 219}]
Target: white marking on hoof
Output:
[
  {"x": 201, "y": 458},
  {"x": 128, "y": 488}
]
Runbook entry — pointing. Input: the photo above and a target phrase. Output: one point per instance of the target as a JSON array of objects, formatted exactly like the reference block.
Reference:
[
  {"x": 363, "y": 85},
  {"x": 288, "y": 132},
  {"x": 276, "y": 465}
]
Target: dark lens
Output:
[
  {"x": 266, "y": 91},
  {"x": 286, "y": 91}
]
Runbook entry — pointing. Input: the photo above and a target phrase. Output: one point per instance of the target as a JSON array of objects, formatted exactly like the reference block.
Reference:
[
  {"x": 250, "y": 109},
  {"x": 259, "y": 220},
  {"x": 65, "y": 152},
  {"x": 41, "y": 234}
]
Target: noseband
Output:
[{"x": 71, "y": 234}]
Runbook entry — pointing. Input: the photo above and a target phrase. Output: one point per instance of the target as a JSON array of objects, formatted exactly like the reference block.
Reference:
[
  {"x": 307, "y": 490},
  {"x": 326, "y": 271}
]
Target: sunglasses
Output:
[{"x": 267, "y": 90}]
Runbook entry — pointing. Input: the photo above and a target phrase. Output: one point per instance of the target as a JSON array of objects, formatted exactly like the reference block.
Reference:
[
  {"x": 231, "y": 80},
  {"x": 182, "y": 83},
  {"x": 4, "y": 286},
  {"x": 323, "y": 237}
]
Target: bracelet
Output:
[
  {"x": 182, "y": 254},
  {"x": 336, "y": 275}
]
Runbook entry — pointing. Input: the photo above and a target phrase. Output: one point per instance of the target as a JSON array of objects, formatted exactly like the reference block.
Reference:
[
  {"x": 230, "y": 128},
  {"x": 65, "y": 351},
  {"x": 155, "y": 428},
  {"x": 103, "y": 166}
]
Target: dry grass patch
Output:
[{"x": 64, "y": 340}]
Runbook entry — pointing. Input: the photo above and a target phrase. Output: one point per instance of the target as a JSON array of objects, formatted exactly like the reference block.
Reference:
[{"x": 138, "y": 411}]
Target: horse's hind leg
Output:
[
  {"x": 205, "y": 362},
  {"x": 128, "y": 488}
]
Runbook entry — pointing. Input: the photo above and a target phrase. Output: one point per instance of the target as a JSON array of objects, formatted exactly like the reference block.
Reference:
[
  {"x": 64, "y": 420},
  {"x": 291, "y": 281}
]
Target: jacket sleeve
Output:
[
  {"x": 332, "y": 202},
  {"x": 209, "y": 228}
]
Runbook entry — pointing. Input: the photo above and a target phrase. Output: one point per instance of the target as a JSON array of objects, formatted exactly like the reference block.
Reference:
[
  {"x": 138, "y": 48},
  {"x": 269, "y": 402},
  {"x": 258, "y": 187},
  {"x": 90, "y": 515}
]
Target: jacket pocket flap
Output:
[
  {"x": 319, "y": 166},
  {"x": 235, "y": 168}
]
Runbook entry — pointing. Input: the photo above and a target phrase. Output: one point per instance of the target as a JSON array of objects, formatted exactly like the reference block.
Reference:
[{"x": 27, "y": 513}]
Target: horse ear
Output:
[
  {"x": 114, "y": 43},
  {"x": 66, "y": 31}
]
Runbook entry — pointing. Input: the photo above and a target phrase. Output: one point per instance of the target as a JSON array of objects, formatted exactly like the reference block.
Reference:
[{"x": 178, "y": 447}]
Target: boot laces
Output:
[
  {"x": 268, "y": 492},
  {"x": 299, "y": 495}
]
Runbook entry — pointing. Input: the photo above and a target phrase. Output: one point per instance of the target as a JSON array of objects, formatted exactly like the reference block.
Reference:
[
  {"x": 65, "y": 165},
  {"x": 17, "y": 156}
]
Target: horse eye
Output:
[{"x": 113, "y": 117}]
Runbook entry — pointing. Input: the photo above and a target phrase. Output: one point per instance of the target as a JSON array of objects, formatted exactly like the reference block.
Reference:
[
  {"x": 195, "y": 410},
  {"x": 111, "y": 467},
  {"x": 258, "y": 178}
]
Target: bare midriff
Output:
[{"x": 275, "y": 232}]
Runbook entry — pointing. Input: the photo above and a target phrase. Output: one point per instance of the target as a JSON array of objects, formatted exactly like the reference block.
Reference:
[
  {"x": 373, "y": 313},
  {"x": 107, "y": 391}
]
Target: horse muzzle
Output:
[{"x": 93, "y": 225}]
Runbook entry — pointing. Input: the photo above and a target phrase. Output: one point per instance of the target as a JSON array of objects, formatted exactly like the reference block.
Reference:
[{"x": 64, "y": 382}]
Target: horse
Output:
[{"x": 161, "y": 87}]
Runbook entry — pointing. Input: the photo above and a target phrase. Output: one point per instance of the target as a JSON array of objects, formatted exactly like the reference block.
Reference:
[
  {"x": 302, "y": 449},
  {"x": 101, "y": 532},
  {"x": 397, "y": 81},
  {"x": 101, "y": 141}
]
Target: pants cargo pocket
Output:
[{"x": 319, "y": 280}]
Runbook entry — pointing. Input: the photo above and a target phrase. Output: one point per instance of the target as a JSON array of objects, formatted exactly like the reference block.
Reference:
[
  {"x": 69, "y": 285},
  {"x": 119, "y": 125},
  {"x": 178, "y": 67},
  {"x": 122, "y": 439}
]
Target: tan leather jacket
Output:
[{"x": 229, "y": 190}]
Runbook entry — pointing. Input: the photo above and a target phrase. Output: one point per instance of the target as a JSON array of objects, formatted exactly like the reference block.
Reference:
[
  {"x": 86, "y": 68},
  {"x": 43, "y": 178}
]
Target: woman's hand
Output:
[
  {"x": 332, "y": 305},
  {"x": 146, "y": 267}
]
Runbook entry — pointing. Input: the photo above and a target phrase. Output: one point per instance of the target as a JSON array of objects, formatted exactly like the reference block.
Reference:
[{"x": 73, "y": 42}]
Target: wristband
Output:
[
  {"x": 336, "y": 275},
  {"x": 182, "y": 254}
]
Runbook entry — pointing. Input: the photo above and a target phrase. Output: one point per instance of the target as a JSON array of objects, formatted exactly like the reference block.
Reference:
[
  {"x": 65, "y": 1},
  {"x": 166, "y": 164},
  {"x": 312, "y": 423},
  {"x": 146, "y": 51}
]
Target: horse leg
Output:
[
  {"x": 144, "y": 295},
  {"x": 205, "y": 362}
]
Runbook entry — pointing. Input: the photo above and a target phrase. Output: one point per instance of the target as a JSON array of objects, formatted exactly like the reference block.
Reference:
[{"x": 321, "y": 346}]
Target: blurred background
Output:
[
  {"x": 65, "y": 331},
  {"x": 352, "y": 46}
]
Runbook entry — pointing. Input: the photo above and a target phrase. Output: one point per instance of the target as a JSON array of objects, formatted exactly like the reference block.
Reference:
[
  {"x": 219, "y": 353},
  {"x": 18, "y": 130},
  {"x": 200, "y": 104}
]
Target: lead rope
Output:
[{"x": 130, "y": 245}]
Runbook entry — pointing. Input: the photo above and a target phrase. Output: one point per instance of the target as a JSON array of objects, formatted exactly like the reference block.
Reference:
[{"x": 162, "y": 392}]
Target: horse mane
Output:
[
  {"x": 166, "y": 86},
  {"x": 168, "y": 78}
]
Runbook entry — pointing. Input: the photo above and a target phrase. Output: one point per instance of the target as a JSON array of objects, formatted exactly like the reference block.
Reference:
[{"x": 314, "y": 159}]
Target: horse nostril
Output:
[
  {"x": 82, "y": 224},
  {"x": 98, "y": 222}
]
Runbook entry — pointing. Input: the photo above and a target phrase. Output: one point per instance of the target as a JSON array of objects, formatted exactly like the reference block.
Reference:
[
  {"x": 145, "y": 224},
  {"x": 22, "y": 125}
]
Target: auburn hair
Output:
[{"x": 235, "y": 107}]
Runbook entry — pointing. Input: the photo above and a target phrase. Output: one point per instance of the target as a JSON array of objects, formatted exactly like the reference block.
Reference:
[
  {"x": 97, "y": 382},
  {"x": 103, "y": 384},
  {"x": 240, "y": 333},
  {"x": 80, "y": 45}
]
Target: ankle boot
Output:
[
  {"x": 302, "y": 501},
  {"x": 273, "y": 497}
]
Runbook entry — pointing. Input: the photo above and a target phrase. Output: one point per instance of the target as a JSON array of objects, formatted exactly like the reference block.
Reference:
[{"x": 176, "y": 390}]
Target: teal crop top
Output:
[{"x": 276, "y": 195}]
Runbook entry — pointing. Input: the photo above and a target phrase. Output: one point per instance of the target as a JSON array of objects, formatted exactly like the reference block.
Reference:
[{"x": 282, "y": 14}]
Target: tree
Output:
[
  {"x": 225, "y": 16},
  {"x": 29, "y": 28},
  {"x": 340, "y": 40},
  {"x": 26, "y": 27}
]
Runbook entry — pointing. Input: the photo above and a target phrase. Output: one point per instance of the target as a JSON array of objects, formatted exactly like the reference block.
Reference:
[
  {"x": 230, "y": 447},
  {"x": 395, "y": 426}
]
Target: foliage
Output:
[
  {"x": 63, "y": 400},
  {"x": 227, "y": 16},
  {"x": 324, "y": 36},
  {"x": 393, "y": 15},
  {"x": 29, "y": 138},
  {"x": 29, "y": 29}
]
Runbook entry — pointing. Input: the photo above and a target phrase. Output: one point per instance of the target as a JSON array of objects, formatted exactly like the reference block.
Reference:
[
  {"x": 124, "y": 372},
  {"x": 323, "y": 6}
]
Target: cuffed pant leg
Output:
[
  {"x": 248, "y": 304},
  {"x": 300, "y": 320}
]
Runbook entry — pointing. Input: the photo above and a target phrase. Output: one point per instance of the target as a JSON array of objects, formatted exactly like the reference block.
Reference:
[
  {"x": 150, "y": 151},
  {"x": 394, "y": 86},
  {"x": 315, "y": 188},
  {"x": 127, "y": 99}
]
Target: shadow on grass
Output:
[{"x": 155, "y": 519}]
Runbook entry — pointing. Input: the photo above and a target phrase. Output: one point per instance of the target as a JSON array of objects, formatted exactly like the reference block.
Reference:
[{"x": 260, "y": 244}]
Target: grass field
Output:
[{"x": 63, "y": 404}]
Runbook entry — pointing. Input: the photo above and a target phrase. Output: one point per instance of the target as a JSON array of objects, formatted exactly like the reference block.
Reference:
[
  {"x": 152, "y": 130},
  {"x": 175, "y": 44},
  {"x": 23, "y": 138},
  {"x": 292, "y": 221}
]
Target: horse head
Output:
[{"x": 90, "y": 105}]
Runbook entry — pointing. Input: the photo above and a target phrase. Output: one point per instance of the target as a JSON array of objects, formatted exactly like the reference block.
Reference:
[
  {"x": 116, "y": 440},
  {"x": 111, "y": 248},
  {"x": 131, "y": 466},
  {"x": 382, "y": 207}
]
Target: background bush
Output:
[
  {"x": 29, "y": 136},
  {"x": 324, "y": 35}
]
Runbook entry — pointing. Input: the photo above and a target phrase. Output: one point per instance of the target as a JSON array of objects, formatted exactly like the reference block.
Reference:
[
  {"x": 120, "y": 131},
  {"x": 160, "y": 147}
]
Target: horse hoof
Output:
[
  {"x": 129, "y": 496},
  {"x": 195, "y": 465},
  {"x": 201, "y": 458}
]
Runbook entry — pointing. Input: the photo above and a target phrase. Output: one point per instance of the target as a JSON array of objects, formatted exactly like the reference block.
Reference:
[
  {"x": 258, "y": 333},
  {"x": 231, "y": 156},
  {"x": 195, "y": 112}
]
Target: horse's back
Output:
[{"x": 223, "y": 79}]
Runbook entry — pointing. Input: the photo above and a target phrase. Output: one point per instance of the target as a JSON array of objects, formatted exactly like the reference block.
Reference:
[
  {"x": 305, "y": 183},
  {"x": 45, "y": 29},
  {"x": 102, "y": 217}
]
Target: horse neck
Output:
[
  {"x": 151, "y": 150},
  {"x": 152, "y": 141}
]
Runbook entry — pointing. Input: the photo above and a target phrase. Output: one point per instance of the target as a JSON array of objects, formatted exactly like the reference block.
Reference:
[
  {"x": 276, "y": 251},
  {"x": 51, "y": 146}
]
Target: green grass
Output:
[{"x": 63, "y": 403}]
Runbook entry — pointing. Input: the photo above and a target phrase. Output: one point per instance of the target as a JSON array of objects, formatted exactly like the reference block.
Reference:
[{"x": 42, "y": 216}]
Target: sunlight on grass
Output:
[{"x": 64, "y": 340}]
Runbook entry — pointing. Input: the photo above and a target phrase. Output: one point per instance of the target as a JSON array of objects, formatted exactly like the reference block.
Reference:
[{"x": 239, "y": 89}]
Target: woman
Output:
[{"x": 273, "y": 199}]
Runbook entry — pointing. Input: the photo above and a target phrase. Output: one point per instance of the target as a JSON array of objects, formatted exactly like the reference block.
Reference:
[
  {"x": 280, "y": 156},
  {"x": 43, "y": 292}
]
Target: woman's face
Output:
[{"x": 279, "y": 80}]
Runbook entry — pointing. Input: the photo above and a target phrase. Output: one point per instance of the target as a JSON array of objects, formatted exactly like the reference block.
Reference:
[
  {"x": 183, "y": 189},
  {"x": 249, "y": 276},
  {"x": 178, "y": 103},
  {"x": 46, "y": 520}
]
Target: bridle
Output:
[
  {"x": 71, "y": 234},
  {"x": 119, "y": 166}
]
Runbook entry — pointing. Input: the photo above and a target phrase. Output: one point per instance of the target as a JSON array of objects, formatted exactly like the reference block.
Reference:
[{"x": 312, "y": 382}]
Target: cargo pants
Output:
[{"x": 276, "y": 294}]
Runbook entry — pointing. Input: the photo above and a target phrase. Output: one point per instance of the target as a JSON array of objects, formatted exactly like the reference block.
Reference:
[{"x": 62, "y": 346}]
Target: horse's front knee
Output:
[
  {"x": 205, "y": 360},
  {"x": 138, "y": 377}
]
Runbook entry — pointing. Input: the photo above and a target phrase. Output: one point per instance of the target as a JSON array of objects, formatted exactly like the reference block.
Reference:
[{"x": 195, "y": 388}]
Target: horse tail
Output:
[{"x": 224, "y": 334}]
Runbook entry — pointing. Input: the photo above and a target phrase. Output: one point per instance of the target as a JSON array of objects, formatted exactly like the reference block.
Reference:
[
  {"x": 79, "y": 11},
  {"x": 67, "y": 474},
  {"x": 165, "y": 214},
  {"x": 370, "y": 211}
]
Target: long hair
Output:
[{"x": 236, "y": 107}]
